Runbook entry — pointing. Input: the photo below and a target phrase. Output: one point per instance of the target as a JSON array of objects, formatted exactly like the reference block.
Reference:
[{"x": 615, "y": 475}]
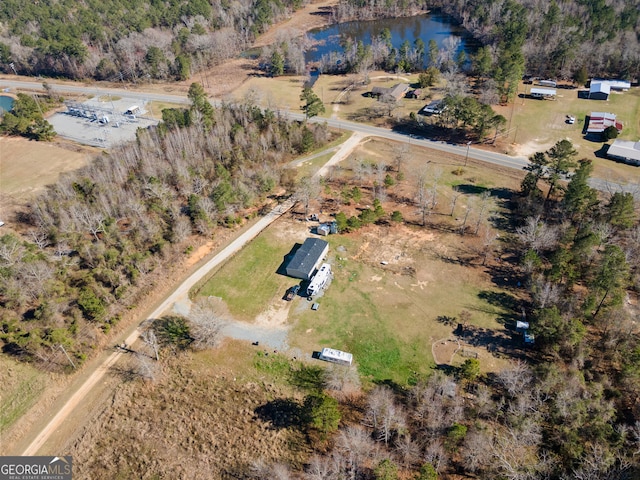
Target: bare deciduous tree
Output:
[
  {"x": 483, "y": 205},
  {"x": 39, "y": 237},
  {"x": 384, "y": 415},
  {"x": 400, "y": 155},
  {"x": 515, "y": 378},
  {"x": 145, "y": 368},
  {"x": 537, "y": 235},
  {"x": 307, "y": 190},
  {"x": 321, "y": 468},
  {"x": 149, "y": 337},
  {"x": 477, "y": 453},
  {"x": 206, "y": 324},
  {"x": 545, "y": 293},
  {"x": 454, "y": 199},
  {"x": 343, "y": 379},
  {"x": 356, "y": 447}
]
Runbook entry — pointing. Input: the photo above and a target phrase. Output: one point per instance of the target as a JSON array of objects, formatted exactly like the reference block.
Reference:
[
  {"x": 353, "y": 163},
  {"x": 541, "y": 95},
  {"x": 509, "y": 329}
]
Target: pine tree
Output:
[{"x": 313, "y": 106}]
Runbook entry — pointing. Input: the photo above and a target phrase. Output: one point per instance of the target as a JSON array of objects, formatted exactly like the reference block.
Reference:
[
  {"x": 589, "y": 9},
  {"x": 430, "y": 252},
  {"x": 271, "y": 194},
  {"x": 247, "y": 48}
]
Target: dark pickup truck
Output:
[{"x": 292, "y": 292}]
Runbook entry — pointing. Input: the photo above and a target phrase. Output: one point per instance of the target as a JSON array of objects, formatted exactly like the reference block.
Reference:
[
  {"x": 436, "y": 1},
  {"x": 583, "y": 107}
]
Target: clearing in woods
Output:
[{"x": 391, "y": 282}]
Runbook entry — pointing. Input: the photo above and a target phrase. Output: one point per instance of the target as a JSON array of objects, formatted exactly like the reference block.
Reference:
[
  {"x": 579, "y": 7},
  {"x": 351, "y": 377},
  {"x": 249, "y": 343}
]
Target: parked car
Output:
[
  {"x": 571, "y": 119},
  {"x": 292, "y": 292}
]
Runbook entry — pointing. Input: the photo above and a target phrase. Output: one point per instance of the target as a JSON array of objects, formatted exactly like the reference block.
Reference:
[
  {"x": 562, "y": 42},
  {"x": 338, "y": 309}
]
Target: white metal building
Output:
[
  {"x": 543, "y": 92},
  {"x": 625, "y": 151}
]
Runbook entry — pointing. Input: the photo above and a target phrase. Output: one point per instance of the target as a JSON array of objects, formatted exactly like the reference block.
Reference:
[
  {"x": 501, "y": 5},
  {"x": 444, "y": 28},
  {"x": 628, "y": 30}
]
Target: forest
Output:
[
  {"x": 91, "y": 241},
  {"x": 154, "y": 39},
  {"x": 129, "y": 41}
]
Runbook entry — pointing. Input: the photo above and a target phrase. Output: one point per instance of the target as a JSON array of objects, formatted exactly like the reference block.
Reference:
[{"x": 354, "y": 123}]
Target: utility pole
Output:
[
  {"x": 68, "y": 357},
  {"x": 466, "y": 158}
]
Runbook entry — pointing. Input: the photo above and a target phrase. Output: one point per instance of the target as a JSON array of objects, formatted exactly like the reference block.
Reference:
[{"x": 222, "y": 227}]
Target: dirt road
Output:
[{"x": 179, "y": 294}]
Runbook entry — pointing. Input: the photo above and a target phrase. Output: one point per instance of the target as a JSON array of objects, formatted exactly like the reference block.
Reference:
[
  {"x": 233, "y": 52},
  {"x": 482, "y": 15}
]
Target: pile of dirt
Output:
[{"x": 202, "y": 414}]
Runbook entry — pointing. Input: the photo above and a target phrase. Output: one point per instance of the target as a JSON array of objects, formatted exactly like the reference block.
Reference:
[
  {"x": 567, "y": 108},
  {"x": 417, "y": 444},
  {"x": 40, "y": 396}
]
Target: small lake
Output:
[
  {"x": 6, "y": 103},
  {"x": 427, "y": 27}
]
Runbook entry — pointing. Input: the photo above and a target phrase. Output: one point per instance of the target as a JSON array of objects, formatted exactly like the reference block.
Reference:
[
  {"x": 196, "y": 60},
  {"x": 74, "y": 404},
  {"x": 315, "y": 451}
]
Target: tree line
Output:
[
  {"x": 92, "y": 240},
  {"x": 554, "y": 39},
  {"x": 133, "y": 41}
]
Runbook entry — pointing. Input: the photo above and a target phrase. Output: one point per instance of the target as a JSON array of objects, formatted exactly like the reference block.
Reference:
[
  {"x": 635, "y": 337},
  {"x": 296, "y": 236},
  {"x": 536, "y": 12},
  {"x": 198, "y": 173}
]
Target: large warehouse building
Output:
[{"x": 307, "y": 259}]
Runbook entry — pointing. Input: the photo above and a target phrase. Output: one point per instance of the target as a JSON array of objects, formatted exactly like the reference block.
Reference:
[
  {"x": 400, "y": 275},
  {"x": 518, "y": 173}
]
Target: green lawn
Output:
[
  {"x": 249, "y": 281},
  {"x": 387, "y": 320}
]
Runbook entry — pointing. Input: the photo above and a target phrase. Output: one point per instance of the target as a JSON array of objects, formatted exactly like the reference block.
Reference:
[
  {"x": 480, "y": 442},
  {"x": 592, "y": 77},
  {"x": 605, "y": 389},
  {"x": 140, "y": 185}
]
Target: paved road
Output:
[{"x": 633, "y": 185}]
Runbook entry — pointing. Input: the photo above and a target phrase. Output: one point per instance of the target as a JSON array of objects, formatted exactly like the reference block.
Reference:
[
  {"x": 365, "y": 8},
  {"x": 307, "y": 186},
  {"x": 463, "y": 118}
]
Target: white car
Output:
[
  {"x": 571, "y": 119},
  {"x": 1, "y": 223}
]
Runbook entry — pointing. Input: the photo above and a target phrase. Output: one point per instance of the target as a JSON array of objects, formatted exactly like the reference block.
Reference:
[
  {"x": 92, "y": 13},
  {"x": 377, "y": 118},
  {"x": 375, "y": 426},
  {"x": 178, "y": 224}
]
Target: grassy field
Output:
[
  {"x": 155, "y": 108},
  {"x": 537, "y": 124},
  {"x": 223, "y": 409},
  {"x": 390, "y": 285},
  {"x": 28, "y": 166},
  {"x": 277, "y": 93},
  {"x": 21, "y": 387},
  {"x": 249, "y": 280}
]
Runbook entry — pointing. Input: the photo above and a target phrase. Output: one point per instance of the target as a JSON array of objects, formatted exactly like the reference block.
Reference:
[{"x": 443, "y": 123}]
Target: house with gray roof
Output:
[{"x": 307, "y": 258}]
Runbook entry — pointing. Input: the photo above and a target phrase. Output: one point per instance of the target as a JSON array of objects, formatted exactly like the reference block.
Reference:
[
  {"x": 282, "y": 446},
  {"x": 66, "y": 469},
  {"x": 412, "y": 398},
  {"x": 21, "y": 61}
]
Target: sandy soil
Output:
[{"x": 312, "y": 15}]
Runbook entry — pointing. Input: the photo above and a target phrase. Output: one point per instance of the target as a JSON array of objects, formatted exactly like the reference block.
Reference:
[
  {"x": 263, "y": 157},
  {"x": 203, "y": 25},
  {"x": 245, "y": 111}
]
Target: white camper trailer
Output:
[
  {"x": 319, "y": 280},
  {"x": 336, "y": 356}
]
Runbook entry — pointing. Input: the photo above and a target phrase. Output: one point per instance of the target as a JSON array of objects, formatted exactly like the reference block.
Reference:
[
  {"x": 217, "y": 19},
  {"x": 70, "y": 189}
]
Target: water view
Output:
[
  {"x": 6, "y": 104},
  {"x": 426, "y": 27}
]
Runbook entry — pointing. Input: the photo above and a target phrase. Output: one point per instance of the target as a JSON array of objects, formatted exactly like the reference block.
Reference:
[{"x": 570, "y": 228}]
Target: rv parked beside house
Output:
[{"x": 319, "y": 280}]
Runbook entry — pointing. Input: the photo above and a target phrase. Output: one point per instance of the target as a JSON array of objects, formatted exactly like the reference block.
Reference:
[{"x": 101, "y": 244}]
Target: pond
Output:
[
  {"x": 6, "y": 104},
  {"x": 426, "y": 27}
]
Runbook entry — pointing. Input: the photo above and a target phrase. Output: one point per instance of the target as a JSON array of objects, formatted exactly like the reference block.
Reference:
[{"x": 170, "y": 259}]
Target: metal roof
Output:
[
  {"x": 625, "y": 149},
  {"x": 599, "y": 121},
  {"x": 544, "y": 91},
  {"x": 599, "y": 87},
  {"x": 308, "y": 255},
  {"x": 613, "y": 84}
]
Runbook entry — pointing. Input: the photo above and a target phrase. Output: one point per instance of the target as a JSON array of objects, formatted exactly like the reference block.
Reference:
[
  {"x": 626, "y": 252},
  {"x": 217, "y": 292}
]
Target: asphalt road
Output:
[{"x": 518, "y": 163}]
